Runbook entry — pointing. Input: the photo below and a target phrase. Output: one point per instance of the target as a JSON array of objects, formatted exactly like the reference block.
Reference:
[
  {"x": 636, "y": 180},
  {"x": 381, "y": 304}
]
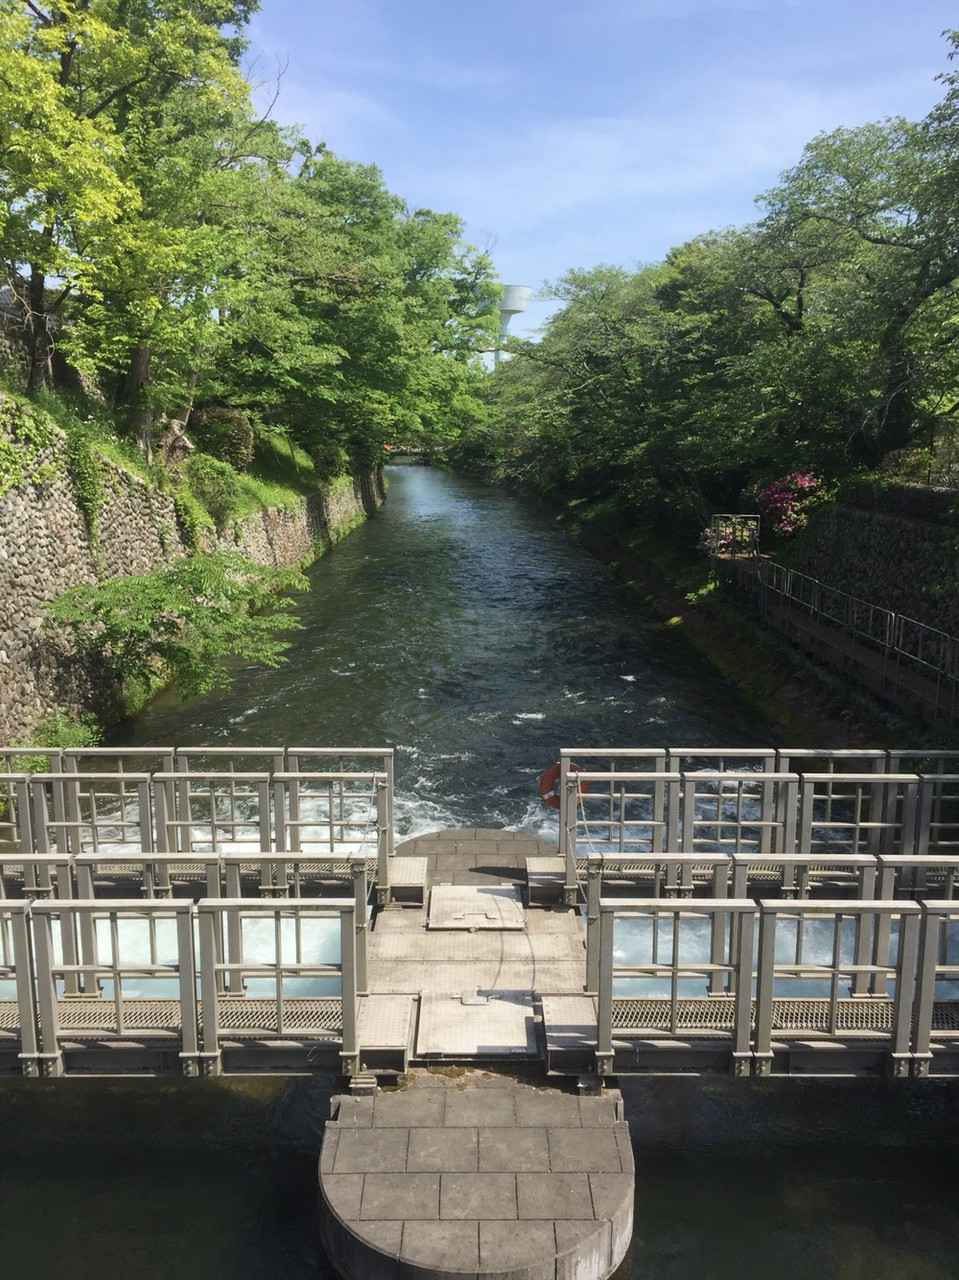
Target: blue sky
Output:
[{"x": 571, "y": 132}]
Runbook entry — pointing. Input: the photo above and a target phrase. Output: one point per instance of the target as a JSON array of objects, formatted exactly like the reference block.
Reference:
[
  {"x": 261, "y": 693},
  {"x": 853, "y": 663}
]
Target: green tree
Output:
[{"x": 182, "y": 622}]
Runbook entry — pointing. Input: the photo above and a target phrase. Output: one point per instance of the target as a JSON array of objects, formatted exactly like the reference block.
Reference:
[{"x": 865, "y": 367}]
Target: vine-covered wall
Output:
[{"x": 45, "y": 547}]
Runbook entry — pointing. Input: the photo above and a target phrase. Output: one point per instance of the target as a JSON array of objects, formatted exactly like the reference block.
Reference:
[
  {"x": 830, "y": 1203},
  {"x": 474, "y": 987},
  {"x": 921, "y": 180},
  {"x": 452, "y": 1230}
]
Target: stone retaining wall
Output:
[
  {"x": 45, "y": 548},
  {"x": 910, "y": 567}
]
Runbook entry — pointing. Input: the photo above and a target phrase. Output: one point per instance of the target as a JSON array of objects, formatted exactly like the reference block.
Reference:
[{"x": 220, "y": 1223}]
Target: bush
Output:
[
  {"x": 58, "y": 728},
  {"x": 329, "y": 460},
  {"x": 215, "y": 484},
  {"x": 224, "y": 433}
]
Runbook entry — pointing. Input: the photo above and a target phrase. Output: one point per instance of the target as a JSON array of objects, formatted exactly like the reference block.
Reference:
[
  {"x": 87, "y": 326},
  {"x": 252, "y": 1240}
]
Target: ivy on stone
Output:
[{"x": 27, "y": 438}]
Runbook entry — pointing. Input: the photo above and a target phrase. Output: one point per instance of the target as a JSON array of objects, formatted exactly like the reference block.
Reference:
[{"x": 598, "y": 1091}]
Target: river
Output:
[{"x": 472, "y": 632}]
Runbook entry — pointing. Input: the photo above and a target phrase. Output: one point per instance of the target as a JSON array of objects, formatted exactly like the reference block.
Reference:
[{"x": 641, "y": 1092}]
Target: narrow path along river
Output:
[{"x": 476, "y": 635}]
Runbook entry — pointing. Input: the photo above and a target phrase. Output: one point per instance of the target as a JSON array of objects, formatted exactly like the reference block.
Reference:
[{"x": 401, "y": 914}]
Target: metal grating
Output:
[
  {"x": 851, "y": 1015},
  {"x": 636, "y": 1015},
  {"x": 248, "y": 1015},
  {"x": 99, "y": 1017},
  {"x": 945, "y": 1015},
  {"x": 640, "y": 1014},
  {"x": 9, "y": 1015}
]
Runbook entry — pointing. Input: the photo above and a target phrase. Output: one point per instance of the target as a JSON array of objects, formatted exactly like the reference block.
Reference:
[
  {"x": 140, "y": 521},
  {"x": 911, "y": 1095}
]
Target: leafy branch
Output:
[{"x": 183, "y": 622}]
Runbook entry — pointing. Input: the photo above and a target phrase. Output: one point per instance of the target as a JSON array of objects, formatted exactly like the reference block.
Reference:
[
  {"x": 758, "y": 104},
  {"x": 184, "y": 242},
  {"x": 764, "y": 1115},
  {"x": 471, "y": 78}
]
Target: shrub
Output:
[
  {"x": 786, "y": 503},
  {"x": 224, "y": 433},
  {"x": 215, "y": 484},
  {"x": 58, "y": 728},
  {"x": 329, "y": 460}
]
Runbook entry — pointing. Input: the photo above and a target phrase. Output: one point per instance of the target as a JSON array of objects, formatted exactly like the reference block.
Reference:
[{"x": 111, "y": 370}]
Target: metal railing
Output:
[
  {"x": 201, "y": 800},
  {"x": 769, "y": 984},
  {"x": 624, "y": 801},
  {"x": 732, "y": 535},
  {"x": 888, "y": 653},
  {"x": 133, "y": 981}
]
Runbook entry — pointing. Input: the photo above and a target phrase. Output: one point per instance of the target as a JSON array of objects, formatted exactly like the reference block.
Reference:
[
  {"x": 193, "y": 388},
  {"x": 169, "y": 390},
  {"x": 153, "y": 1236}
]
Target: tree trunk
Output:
[
  {"x": 39, "y": 353},
  {"x": 141, "y": 415},
  {"x": 183, "y": 415}
]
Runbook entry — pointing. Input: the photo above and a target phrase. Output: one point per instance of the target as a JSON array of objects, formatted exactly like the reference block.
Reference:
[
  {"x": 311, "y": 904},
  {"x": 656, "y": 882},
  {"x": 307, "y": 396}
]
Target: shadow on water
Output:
[
  {"x": 215, "y": 1180},
  {"x": 153, "y": 1180}
]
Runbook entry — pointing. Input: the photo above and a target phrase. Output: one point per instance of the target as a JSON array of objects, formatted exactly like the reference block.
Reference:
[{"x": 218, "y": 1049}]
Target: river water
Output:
[
  {"x": 472, "y": 632},
  {"x": 475, "y": 635}
]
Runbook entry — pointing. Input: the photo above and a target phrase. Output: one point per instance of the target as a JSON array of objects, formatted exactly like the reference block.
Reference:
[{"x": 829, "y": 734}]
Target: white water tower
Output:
[{"x": 513, "y": 301}]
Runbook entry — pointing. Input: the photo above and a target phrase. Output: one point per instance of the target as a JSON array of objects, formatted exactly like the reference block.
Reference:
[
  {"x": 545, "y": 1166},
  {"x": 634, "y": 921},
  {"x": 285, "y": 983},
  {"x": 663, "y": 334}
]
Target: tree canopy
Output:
[
  {"x": 176, "y": 248},
  {"x": 821, "y": 339}
]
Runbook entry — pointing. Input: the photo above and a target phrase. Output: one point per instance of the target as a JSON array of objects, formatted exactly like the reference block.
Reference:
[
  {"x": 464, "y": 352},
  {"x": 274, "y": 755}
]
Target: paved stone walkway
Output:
[{"x": 477, "y": 1174}]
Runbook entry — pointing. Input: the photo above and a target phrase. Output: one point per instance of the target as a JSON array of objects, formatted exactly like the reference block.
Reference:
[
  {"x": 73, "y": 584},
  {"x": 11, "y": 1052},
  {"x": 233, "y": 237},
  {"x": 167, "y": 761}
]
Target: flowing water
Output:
[{"x": 474, "y": 634}]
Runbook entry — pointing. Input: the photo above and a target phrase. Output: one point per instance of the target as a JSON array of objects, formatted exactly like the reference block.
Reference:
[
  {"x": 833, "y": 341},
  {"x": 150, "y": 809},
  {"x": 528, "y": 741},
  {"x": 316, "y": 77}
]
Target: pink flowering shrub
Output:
[{"x": 786, "y": 503}]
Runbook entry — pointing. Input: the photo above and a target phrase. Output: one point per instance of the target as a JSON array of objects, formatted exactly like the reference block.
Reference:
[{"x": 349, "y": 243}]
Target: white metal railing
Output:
[
  {"x": 193, "y": 977},
  {"x": 767, "y": 978},
  {"x": 200, "y": 800},
  {"x": 747, "y": 802}
]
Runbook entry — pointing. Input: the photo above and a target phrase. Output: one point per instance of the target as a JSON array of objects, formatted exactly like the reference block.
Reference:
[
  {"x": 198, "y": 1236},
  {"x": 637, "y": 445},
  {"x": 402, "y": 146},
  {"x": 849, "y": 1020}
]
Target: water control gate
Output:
[{"x": 204, "y": 910}]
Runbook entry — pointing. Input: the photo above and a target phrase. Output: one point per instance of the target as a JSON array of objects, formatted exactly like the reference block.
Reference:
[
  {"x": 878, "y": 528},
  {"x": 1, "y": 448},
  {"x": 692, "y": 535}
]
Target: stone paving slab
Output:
[
  {"x": 478, "y": 1195},
  {"x": 454, "y": 1151},
  {"x": 522, "y": 1150},
  {"x": 475, "y": 1192}
]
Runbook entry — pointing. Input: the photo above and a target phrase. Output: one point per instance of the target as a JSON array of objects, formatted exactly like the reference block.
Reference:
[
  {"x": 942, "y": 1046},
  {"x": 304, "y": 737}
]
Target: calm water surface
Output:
[{"x": 475, "y": 635}]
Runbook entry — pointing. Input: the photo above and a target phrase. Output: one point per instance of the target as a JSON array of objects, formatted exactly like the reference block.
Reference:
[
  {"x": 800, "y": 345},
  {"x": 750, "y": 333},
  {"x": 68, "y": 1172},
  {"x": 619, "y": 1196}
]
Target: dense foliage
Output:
[
  {"x": 172, "y": 248},
  {"x": 822, "y": 340},
  {"x": 181, "y": 622}
]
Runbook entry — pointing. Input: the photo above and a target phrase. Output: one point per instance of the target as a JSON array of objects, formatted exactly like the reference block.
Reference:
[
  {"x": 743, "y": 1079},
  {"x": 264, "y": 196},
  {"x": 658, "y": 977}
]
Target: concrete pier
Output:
[
  {"x": 478, "y": 1175},
  {"x": 476, "y": 1165}
]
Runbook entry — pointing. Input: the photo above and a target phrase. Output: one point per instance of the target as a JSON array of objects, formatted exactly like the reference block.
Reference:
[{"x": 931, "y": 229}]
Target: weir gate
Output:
[{"x": 211, "y": 911}]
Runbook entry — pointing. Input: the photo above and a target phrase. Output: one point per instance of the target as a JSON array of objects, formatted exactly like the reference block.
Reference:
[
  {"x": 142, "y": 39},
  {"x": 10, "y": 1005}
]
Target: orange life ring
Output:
[{"x": 549, "y": 779}]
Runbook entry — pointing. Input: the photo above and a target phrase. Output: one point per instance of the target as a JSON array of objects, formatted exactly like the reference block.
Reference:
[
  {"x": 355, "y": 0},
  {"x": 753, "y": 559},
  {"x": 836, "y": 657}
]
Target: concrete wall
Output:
[
  {"x": 45, "y": 548},
  {"x": 908, "y": 566}
]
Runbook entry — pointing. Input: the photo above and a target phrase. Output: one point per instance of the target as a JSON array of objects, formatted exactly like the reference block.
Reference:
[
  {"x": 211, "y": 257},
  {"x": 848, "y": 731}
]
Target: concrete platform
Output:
[{"x": 477, "y": 1175}]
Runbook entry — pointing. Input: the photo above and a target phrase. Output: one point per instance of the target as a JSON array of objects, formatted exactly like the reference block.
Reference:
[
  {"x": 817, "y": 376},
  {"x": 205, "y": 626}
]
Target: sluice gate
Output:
[{"x": 208, "y": 911}]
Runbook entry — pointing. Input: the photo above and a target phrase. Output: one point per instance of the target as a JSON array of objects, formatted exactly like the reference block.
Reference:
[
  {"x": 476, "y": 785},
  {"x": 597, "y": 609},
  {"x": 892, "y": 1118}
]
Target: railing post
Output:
[
  {"x": 931, "y": 921},
  {"x": 350, "y": 1052},
  {"x": 186, "y": 964},
  {"x": 384, "y": 839},
  {"x": 208, "y": 919},
  {"x": 361, "y": 914},
  {"x": 50, "y": 1057},
  {"x": 762, "y": 1036},
  {"x": 604, "y": 999},
  {"x": 594, "y": 882},
  {"x": 742, "y": 987},
  {"x": 567, "y": 830},
  {"x": 21, "y": 789},
  {"x": 906, "y": 966},
  {"x": 717, "y": 932},
  {"x": 30, "y": 1058}
]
